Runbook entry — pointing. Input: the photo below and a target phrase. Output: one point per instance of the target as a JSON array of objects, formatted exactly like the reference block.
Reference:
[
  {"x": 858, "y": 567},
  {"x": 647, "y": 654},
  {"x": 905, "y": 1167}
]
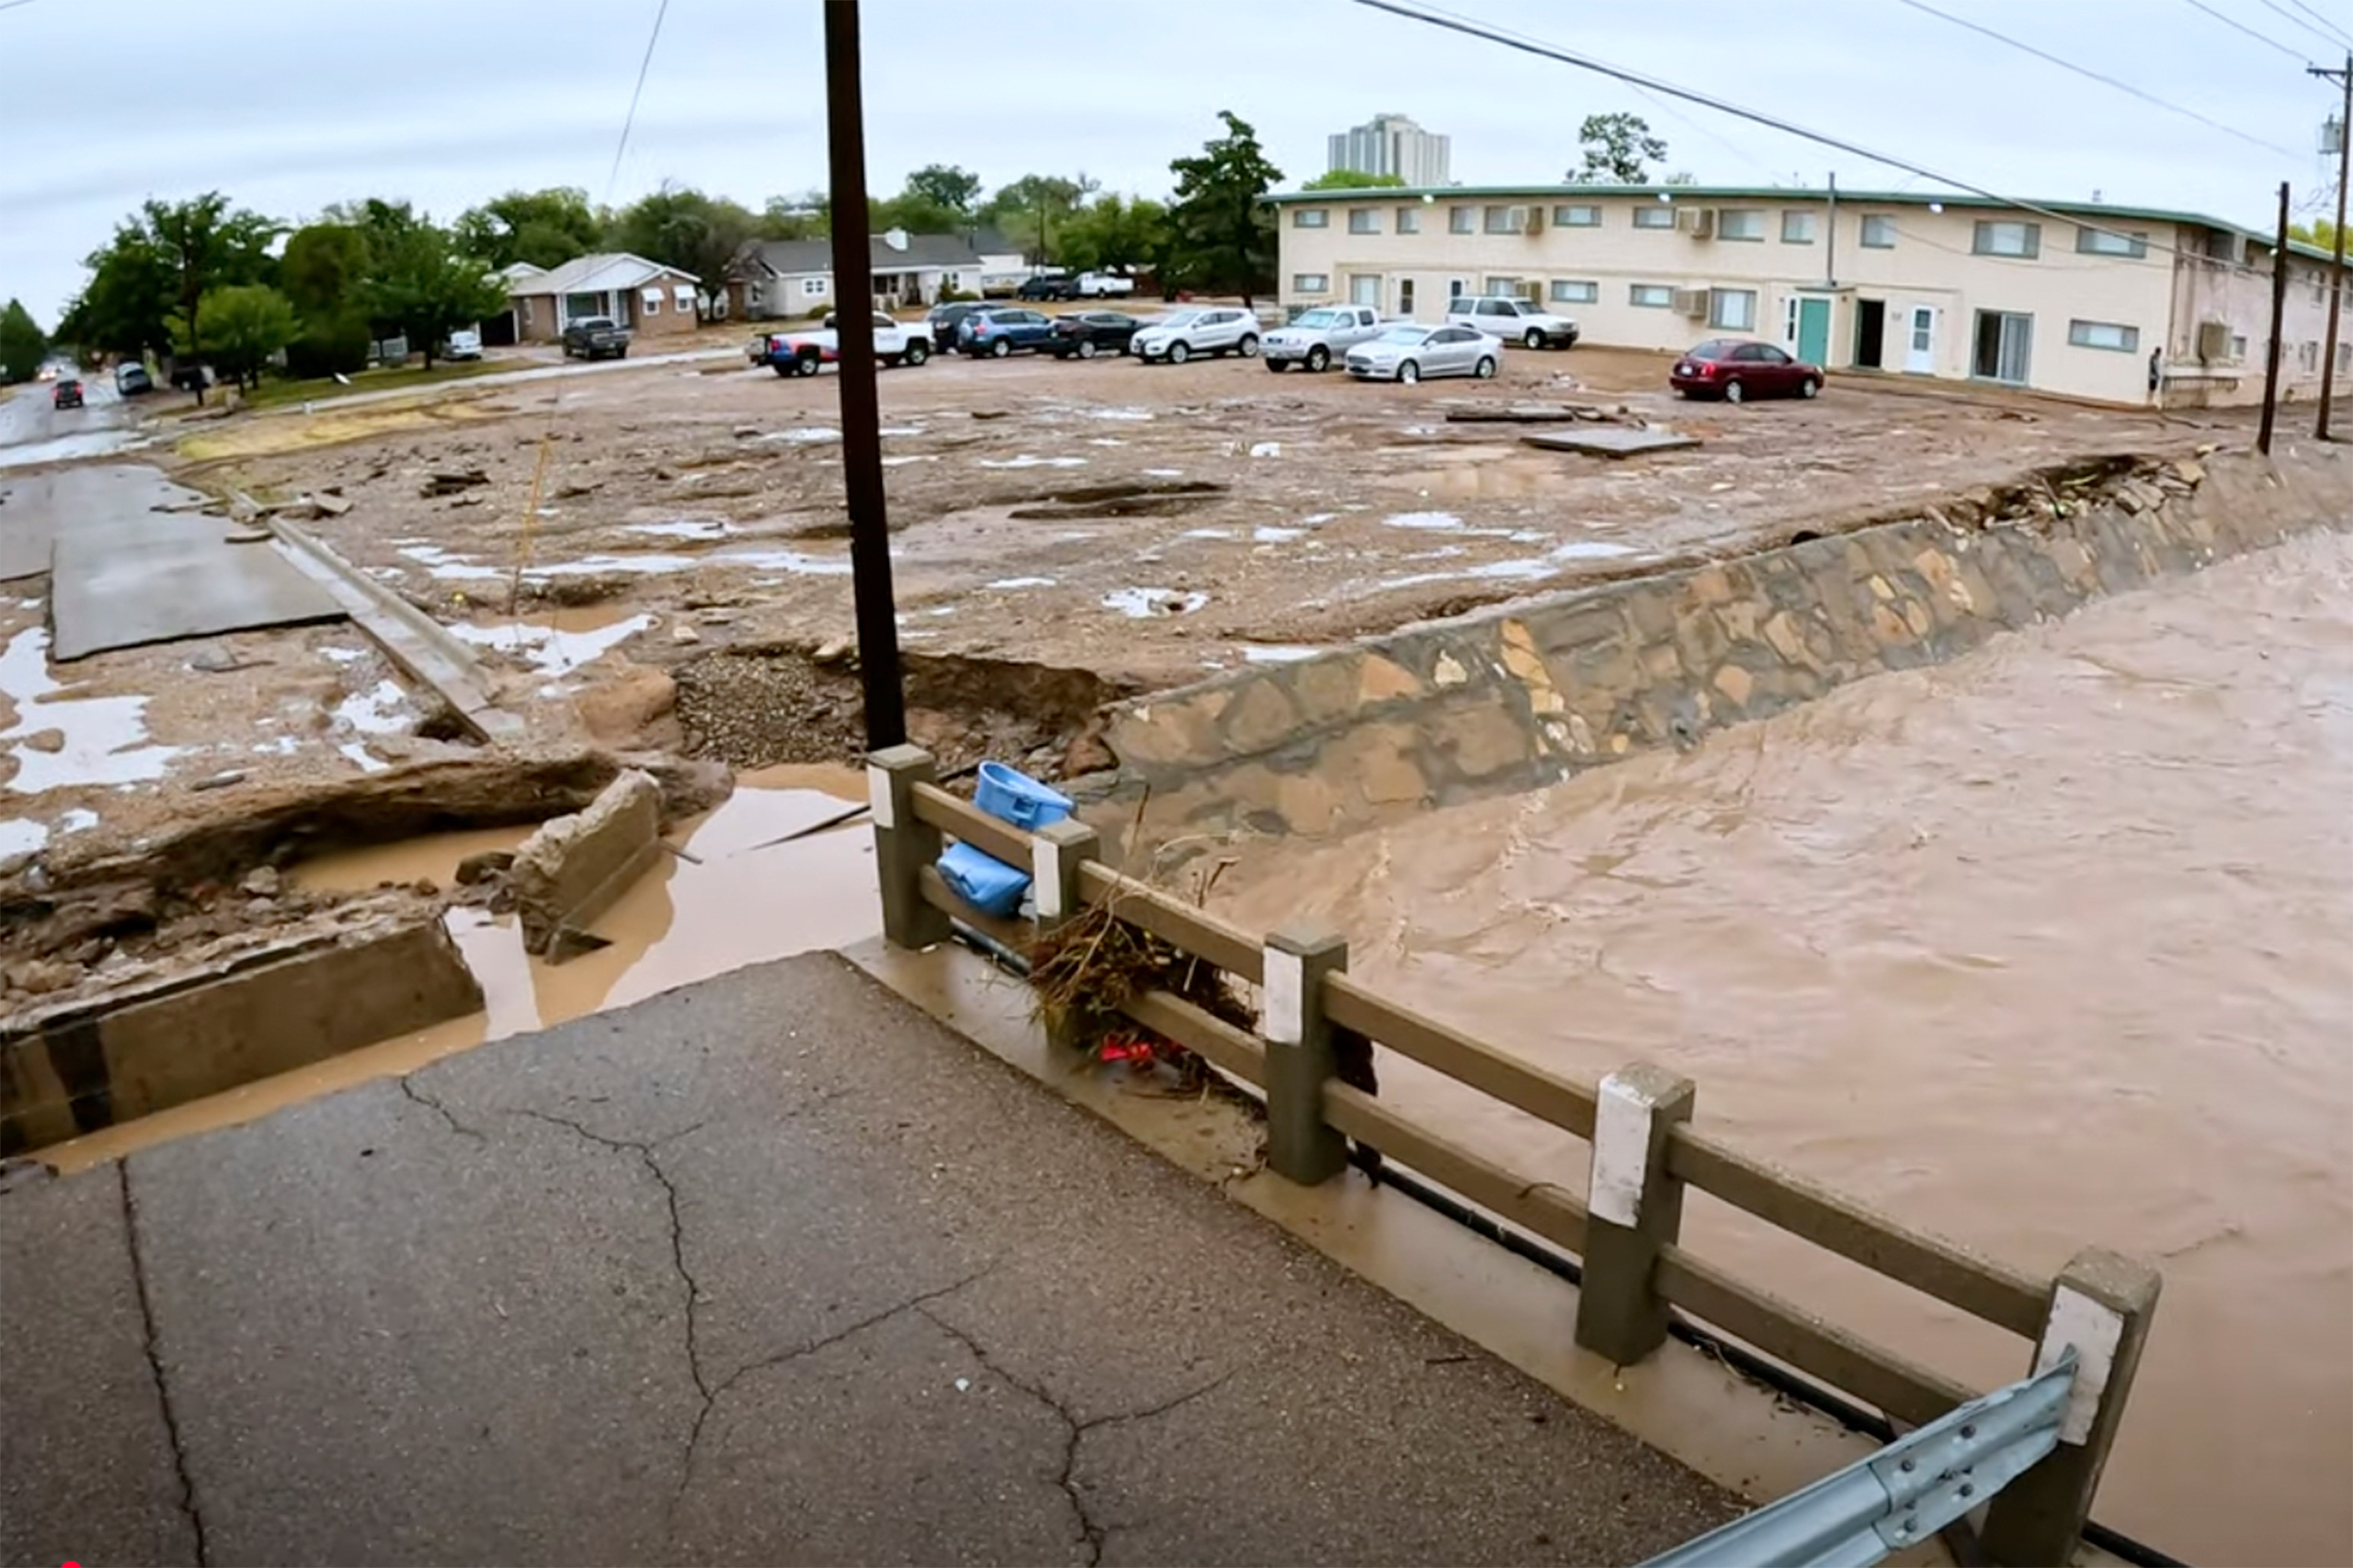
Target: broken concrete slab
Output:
[
  {"x": 1527, "y": 413},
  {"x": 88, "y": 1063},
  {"x": 146, "y": 577},
  {"x": 575, "y": 868},
  {"x": 1611, "y": 441}
]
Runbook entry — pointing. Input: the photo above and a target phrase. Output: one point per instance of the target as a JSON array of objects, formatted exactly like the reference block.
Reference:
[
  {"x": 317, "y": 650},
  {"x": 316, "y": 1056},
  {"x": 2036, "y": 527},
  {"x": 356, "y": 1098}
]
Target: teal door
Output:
[{"x": 1814, "y": 331}]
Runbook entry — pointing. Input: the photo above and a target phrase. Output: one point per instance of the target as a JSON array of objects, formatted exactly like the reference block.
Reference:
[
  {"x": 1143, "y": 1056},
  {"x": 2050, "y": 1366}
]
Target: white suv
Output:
[
  {"x": 1212, "y": 330},
  {"x": 1513, "y": 322}
]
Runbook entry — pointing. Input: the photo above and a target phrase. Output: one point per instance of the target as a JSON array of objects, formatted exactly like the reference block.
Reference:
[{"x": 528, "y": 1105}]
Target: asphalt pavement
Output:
[{"x": 770, "y": 1268}]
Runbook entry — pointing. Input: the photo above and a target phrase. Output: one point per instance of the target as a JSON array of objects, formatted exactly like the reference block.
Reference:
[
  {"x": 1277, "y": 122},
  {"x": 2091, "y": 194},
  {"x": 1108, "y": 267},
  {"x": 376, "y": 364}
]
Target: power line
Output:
[
  {"x": 2323, "y": 21},
  {"x": 2227, "y": 21},
  {"x": 12, "y": 5},
  {"x": 2278, "y": 9},
  {"x": 2088, "y": 74},
  {"x": 635, "y": 93},
  {"x": 1492, "y": 35}
]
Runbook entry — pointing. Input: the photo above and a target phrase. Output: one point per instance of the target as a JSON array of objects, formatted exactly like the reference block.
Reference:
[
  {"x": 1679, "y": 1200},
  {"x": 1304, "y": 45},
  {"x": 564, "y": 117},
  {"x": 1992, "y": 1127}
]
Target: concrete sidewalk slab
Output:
[
  {"x": 774, "y": 1270},
  {"x": 158, "y": 577}
]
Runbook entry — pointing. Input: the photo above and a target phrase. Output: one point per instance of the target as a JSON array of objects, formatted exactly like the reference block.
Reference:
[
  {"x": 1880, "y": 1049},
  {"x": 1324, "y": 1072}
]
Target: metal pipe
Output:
[{"x": 861, "y": 411}]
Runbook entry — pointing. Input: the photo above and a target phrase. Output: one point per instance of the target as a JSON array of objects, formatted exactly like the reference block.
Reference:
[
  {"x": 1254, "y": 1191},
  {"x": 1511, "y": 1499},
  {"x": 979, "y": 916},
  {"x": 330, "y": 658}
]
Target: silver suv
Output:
[{"x": 1209, "y": 330}]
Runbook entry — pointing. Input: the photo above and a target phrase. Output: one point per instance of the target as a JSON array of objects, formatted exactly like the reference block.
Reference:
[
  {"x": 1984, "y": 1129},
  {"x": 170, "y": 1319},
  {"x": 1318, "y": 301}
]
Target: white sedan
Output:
[{"x": 1409, "y": 352}]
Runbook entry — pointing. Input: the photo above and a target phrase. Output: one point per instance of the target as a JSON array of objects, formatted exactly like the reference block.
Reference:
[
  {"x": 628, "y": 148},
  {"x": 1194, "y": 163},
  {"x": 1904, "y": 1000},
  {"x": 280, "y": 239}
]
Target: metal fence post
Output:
[
  {"x": 1636, "y": 1207},
  {"x": 2101, "y": 1306},
  {"x": 1299, "y": 1144},
  {"x": 903, "y": 846},
  {"x": 1055, "y": 853}
]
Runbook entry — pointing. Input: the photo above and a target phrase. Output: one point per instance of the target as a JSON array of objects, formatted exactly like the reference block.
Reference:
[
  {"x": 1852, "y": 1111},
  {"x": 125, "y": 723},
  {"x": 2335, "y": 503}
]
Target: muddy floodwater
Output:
[{"x": 2049, "y": 947}]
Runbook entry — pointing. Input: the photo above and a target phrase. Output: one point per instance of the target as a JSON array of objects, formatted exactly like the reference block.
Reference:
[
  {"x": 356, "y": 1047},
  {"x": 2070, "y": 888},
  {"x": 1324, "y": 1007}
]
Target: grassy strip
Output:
[{"x": 276, "y": 394}]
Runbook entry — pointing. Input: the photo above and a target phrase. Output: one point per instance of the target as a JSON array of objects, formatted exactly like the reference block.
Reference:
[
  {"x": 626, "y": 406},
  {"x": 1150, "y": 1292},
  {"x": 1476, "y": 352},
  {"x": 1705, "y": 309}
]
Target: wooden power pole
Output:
[
  {"x": 2337, "y": 277},
  {"x": 2279, "y": 315}
]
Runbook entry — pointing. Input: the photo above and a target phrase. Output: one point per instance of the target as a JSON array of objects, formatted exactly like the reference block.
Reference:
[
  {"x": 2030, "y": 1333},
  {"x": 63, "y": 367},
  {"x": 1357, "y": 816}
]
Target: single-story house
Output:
[
  {"x": 648, "y": 298},
  {"x": 785, "y": 278}
]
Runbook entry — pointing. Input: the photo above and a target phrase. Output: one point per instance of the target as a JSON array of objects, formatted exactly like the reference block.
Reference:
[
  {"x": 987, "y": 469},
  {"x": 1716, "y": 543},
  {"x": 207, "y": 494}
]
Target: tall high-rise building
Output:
[{"x": 1392, "y": 145}]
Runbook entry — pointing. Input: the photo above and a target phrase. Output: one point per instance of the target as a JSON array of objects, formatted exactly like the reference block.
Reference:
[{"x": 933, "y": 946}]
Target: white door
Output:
[{"x": 1920, "y": 340}]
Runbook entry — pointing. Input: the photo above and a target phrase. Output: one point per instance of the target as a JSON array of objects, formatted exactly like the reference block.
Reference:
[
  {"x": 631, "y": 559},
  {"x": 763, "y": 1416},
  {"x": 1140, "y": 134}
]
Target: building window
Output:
[
  {"x": 1365, "y": 289},
  {"x": 683, "y": 295},
  {"x": 1565, "y": 291},
  {"x": 1740, "y": 223},
  {"x": 2022, "y": 241},
  {"x": 816, "y": 288},
  {"x": 1879, "y": 234},
  {"x": 2308, "y": 356},
  {"x": 1796, "y": 229},
  {"x": 1311, "y": 283},
  {"x": 1734, "y": 310},
  {"x": 2238, "y": 349},
  {"x": 2344, "y": 358},
  {"x": 1651, "y": 296},
  {"x": 1311, "y": 217},
  {"x": 1656, "y": 216},
  {"x": 1507, "y": 220},
  {"x": 1505, "y": 288},
  {"x": 1364, "y": 220},
  {"x": 1462, "y": 220},
  {"x": 1577, "y": 215},
  {"x": 652, "y": 298},
  {"x": 2108, "y": 242},
  {"x": 2104, "y": 335},
  {"x": 1457, "y": 287},
  {"x": 1409, "y": 220}
]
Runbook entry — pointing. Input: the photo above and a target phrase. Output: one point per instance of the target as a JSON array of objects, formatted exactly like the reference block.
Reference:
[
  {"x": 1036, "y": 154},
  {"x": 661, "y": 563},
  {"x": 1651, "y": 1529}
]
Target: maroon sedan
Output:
[{"x": 1736, "y": 369}]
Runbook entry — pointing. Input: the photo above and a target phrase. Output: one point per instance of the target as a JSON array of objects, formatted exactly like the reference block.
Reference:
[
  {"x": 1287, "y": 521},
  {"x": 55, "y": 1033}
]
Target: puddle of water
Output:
[
  {"x": 448, "y": 567},
  {"x": 685, "y": 528},
  {"x": 283, "y": 746},
  {"x": 65, "y": 448},
  {"x": 900, "y": 430},
  {"x": 1028, "y": 460},
  {"x": 1163, "y": 473},
  {"x": 684, "y": 922},
  {"x": 104, "y": 738},
  {"x": 345, "y": 654},
  {"x": 561, "y": 642},
  {"x": 1267, "y": 449},
  {"x": 1207, "y": 533},
  {"x": 1268, "y": 534},
  {"x": 792, "y": 560},
  {"x": 77, "y": 819},
  {"x": 1105, "y": 441},
  {"x": 382, "y": 710},
  {"x": 1314, "y": 519},
  {"x": 1272, "y": 653},
  {"x": 1127, "y": 413},
  {"x": 1007, "y": 584},
  {"x": 1144, "y": 603},
  {"x": 1423, "y": 520},
  {"x": 806, "y": 435},
  {"x": 902, "y": 461},
  {"x": 19, "y": 835}
]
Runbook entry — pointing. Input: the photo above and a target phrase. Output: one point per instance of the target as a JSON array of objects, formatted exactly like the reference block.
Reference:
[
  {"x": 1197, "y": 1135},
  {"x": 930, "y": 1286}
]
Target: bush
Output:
[
  {"x": 339, "y": 343},
  {"x": 816, "y": 312},
  {"x": 954, "y": 296}
]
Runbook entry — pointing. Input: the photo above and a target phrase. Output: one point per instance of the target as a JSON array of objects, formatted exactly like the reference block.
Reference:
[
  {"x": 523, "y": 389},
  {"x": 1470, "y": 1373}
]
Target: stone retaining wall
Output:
[{"x": 1520, "y": 697}]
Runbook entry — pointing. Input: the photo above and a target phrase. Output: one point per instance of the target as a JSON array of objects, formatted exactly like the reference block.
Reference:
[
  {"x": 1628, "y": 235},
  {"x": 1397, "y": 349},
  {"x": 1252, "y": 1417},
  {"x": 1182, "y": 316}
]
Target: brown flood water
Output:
[
  {"x": 2049, "y": 947},
  {"x": 742, "y": 904}
]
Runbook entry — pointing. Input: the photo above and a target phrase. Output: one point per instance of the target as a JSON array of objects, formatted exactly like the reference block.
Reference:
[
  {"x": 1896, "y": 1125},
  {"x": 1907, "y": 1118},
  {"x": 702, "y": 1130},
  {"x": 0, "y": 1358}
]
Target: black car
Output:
[
  {"x": 67, "y": 393},
  {"x": 1091, "y": 332},
  {"x": 947, "y": 321},
  {"x": 1047, "y": 286}
]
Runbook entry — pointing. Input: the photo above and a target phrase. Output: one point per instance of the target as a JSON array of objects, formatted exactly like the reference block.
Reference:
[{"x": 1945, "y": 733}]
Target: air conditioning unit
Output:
[
  {"x": 1697, "y": 222},
  {"x": 1691, "y": 301},
  {"x": 2214, "y": 341},
  {"x": 1528, "y": 220}
]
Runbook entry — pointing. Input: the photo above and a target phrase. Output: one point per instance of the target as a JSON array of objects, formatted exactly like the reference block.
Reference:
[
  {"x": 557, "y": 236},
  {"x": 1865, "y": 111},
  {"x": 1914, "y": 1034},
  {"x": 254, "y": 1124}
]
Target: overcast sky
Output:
[{"x": 290, "y": 104}]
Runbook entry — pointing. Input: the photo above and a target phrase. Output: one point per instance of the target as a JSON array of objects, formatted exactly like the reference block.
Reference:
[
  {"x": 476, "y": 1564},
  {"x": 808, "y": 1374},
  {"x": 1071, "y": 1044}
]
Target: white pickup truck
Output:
[
  {"x": 1104, "y": 286},
  {"x": 1320, "y": 336},
  {"x": 1513, "y": 322},
  {"x": 806, "y": 352}
]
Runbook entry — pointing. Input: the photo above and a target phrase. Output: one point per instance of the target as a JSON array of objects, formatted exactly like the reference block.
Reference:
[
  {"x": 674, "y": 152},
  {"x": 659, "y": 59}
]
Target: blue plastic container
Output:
[
  {"x": 984, "y": 882},
  {"x": 1019, "y": 799}
]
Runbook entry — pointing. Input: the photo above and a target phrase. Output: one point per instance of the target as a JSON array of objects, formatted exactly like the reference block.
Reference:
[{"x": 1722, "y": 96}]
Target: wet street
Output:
[{"x": 2042, "y": 949}]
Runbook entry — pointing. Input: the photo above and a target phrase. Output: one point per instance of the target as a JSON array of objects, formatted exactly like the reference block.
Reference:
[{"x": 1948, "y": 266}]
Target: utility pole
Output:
[
  {"x": 2337, "y": 277},
  {"x": 862, "y": 409},
  {"x": 2279, "y": 313},
  {"x": 1830, "y": 238}
]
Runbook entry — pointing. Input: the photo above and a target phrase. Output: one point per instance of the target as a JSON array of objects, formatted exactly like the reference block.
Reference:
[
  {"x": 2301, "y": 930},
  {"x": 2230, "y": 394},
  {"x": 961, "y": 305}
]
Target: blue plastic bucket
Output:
[
  {"x": 1019, "y": 799},
  {"x": 988, "y": 884}
]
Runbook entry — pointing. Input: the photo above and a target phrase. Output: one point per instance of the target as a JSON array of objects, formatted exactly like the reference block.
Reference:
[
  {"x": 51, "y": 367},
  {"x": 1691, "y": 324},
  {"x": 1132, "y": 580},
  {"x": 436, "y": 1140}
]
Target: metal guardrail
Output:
[
  {"x": 1909, "y": 1491},
  {"x": 1644, "y": 1154}
]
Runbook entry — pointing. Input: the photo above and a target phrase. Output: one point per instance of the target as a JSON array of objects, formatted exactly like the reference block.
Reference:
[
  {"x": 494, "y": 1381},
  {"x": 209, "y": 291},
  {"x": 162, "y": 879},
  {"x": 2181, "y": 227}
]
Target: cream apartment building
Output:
[{"x": 2117, "y": 304}]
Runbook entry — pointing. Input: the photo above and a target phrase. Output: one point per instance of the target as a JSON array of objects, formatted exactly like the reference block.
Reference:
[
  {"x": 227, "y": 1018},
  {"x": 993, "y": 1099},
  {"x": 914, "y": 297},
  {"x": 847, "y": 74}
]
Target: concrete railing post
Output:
[
  {"x": 1056, "y": 854},
  {"x": 2101, "y": 1306},
  {"x": 1300, "y": 1145},
  {"x": 903, "y": 846},
  {"x": 1635, "y": 1209}
]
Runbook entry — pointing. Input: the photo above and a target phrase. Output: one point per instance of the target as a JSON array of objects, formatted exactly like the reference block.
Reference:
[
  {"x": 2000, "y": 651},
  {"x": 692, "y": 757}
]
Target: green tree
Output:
[
  {"x": 1221, "y": 232},
  {"x": 1354, "y": 180},
  {"x": 1618, "y": 150},
  {"x": 208, "y": 245},
  {"x": 2320, "y": 232},
  {"x": 546, "y": 228},
  {"x": 1031, "y": 211},
  {"x": 126, "y": 306},
  {"x": 944, "y": 186},
  {"x": 679, "y": 226},
  {"x": 1116, "y": 234},
  {"x": 245, "y": 324},
  {"x": 808, "y": 216},
  {"x": 430, "y": 287},
  {"x": 320, "y": 272},
  {"x": 22, "y": 343}
]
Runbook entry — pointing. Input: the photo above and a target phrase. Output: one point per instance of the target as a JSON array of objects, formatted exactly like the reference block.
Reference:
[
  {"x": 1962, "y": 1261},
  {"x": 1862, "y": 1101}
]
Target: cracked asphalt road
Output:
[{"x": 768, "y": 1269}]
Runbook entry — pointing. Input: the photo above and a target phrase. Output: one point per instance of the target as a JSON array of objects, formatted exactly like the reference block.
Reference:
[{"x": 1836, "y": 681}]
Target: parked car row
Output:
[{"x": 805, "y": 353}]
